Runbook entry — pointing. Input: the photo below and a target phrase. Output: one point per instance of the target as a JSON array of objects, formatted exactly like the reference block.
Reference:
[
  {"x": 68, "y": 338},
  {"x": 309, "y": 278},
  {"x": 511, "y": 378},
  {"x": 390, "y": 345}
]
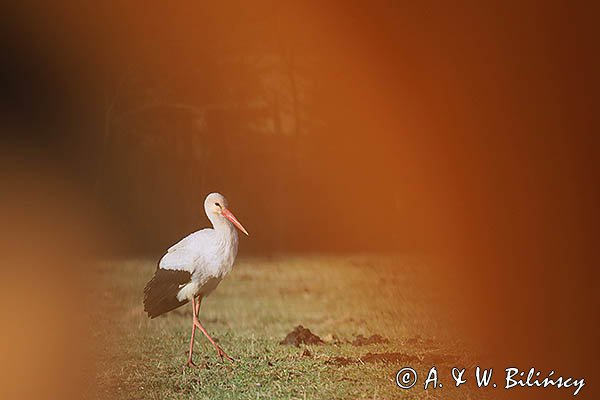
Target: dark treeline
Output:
[
  {"x": 273, "y": 105},
  {"x": 329, "y": 127}
]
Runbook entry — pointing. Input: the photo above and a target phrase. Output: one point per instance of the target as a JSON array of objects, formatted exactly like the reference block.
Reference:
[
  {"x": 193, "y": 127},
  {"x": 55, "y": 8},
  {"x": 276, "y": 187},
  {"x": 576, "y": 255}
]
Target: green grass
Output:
[{"x": 252, "y": 311}]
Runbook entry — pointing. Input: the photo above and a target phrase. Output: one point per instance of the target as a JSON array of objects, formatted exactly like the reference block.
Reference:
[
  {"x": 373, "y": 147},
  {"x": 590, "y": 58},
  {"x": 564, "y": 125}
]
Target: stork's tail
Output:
[{"x": 160, "y": 294}]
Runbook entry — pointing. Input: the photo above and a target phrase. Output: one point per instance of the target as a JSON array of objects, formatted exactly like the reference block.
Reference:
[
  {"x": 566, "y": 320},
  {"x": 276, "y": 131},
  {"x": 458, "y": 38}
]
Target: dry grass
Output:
[{"x": 253, "y": 309}]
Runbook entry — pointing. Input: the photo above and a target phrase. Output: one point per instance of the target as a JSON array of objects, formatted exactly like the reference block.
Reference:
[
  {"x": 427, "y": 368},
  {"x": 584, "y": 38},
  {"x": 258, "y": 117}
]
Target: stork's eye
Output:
[{"x": 217, "y": 204}]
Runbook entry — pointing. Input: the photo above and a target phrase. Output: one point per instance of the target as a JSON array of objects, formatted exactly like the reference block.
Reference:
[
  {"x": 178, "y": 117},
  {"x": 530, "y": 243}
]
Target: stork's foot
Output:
[
  {"x": 190, "y": 364},
  {"x": 222, "y": 353}
]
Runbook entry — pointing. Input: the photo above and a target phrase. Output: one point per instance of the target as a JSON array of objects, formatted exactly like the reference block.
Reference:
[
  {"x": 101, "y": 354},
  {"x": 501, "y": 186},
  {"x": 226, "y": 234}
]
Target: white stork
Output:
[{"x": 194, "y": 267}]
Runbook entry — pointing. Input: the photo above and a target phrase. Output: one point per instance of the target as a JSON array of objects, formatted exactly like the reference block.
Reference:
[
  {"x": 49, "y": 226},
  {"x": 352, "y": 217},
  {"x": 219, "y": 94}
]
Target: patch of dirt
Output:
[
  {"x": 373, "y": 339},
  {"x": 301, "y": 335}
]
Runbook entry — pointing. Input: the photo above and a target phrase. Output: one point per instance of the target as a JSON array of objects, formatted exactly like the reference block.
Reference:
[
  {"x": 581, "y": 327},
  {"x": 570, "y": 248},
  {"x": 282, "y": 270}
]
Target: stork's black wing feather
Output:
[{"x": 160, "y": 294}]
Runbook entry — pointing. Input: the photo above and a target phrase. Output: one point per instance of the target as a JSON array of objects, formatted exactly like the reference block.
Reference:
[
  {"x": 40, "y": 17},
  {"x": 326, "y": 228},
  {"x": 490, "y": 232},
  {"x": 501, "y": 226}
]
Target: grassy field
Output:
[{"x": 253, "y": 310}]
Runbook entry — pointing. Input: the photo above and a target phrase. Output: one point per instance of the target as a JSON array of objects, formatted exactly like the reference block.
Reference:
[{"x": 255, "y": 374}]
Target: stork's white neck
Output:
[
  {"x": 223, "y": 226},
  {"x": 226, "y": 241}
]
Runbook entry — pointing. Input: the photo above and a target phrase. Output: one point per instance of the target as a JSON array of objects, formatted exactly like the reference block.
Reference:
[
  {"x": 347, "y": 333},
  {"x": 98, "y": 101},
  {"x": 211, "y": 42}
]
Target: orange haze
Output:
[{"x": 463, "y": 131}]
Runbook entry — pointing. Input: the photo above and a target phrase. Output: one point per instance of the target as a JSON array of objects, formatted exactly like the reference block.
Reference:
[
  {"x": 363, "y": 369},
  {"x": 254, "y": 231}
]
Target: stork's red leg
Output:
[
  {"x": 195, "y": 310},
  {"x": 197, "y": 323}
]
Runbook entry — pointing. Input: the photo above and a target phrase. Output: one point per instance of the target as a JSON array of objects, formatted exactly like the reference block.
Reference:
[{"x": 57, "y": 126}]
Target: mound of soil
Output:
[{"x": 301, "y": 335}]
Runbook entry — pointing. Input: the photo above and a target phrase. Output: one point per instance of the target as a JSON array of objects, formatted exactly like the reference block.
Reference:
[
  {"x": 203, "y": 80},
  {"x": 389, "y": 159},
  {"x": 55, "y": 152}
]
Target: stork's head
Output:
[{"x": 215, "y": 206}]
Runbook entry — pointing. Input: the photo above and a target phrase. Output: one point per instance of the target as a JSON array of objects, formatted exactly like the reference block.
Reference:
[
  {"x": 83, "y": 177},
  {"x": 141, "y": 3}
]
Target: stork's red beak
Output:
[{"x": 229, "y": 215}]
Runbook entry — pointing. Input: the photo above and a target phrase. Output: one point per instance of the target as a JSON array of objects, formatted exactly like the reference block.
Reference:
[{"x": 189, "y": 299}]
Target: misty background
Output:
[{"x": 329, "y": 127}]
